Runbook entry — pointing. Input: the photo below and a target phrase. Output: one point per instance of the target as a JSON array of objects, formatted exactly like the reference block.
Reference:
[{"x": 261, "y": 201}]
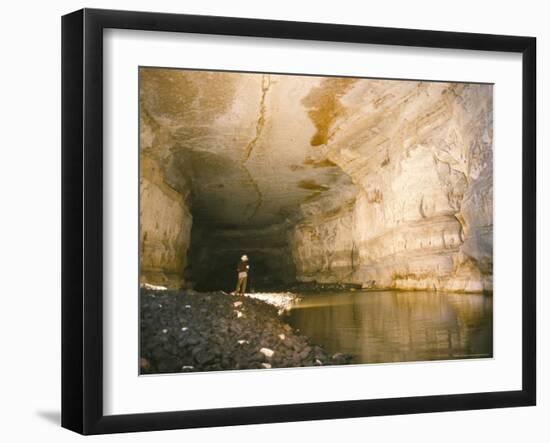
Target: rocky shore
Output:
[{"x": 188, "y": 331}]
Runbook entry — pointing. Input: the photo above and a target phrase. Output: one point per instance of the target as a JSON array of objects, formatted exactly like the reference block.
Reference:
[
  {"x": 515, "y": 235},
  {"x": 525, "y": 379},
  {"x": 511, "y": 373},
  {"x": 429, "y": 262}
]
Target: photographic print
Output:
[{"x": 292, "y": 220}]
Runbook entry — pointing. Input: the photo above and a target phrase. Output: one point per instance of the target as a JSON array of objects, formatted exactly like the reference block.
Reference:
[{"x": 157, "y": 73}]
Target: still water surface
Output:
[{"x": 389, "y": 326}]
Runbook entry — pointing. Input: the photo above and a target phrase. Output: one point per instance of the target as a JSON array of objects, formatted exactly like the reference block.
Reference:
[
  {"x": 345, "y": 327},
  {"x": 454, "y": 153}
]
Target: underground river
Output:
[{"x": 391, "y": 326}]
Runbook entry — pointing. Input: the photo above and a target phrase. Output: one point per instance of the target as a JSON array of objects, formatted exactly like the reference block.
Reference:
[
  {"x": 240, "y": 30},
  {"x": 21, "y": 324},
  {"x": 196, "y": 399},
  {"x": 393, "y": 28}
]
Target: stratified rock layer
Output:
[
  {"x": 385, "y": 184},
  {"x": 421, "y": 157}
]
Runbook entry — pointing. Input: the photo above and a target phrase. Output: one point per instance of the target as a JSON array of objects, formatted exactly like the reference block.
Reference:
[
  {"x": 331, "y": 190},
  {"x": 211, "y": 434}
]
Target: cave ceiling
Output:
[{"x": 252, "y": 146}]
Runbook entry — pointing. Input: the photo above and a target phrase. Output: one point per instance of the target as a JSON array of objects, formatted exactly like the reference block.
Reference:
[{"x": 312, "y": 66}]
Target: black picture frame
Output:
[{"x": 82, "y": 220}]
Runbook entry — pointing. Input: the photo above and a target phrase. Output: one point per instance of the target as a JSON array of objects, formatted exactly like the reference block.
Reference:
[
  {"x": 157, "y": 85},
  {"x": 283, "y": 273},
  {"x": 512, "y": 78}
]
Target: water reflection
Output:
[{"x": 389, "y": 326}]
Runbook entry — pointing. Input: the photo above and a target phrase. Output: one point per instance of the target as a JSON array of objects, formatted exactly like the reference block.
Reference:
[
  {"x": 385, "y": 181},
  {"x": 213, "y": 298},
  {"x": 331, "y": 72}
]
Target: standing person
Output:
[{"x": 242, "y": 275}]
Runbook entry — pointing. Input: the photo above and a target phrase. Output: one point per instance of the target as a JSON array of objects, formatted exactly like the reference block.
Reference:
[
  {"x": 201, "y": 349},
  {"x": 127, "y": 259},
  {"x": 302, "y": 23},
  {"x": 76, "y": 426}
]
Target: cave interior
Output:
[{"x": 376, "y": 183}]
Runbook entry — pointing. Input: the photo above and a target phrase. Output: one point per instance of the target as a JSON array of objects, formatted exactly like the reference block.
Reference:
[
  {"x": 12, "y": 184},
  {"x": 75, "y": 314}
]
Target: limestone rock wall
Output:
[
  {"x": 165, "y": 219},
  {"x": 420, "y": 156}
]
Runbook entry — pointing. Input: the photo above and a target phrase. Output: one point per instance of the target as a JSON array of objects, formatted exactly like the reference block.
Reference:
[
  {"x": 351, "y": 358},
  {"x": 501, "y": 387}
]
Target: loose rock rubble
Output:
[{"x": 188, "y": 331}]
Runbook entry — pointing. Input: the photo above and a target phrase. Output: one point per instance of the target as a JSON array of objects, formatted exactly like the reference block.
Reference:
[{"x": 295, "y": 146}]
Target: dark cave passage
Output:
[{"x": 214, "y": 253}]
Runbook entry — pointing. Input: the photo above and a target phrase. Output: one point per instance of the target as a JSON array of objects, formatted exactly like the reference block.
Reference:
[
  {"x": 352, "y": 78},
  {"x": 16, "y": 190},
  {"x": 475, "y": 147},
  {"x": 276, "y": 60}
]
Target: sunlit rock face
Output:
[
  {"x": 381, "y": 183},
  {"x": 421, "y": 157}
]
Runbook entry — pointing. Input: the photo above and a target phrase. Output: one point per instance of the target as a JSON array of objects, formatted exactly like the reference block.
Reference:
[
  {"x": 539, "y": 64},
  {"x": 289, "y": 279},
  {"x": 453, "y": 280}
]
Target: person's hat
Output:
[{"x": 244, "y": 257}]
